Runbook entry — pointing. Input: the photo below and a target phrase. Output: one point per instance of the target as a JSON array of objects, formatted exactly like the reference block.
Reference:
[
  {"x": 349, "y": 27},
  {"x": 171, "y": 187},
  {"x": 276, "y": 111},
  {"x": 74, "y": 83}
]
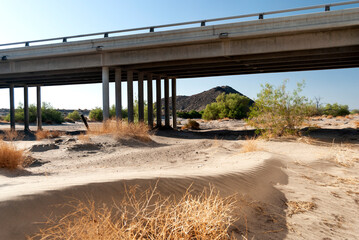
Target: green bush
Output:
[
  {"x": 230, "y": 105},
  {"x": 354, "y": 111},
  {"x": 336, "y": 110},
  {"x": 277, "y": 112},
  {"x": 190, "y": 114},
  {"x": 74, "y": 116},
  {"x": 96, "y": 114},
  {"x": 48, "y": 114}
]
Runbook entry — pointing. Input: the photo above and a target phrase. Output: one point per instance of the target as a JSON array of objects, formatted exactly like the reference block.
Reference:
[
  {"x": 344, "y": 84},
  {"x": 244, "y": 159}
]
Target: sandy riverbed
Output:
[{"x": 274, "y": 182}]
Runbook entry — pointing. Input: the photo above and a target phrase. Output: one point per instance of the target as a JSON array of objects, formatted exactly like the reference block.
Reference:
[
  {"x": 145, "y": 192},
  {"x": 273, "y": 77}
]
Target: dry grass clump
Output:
[
  {"x": 84, "y": 137},
  {"x": 10, "y": 157},
  {"x": 121, "y": 130},
  {"x": 146, "y": 216},
  {"x": 330, "y": 116},
  {"x": 45, "y": 134},
  {"x": 295, "y": 207},
  {"x": 11, "y": 135},
  {"x": 250, "y": 145},
  {"x": 356, "y": 123},
  {"x": 191, "y": 124}
]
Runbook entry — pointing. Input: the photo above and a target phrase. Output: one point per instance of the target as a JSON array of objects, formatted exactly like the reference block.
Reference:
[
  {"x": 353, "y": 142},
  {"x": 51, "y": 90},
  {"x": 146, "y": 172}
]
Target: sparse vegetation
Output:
[
  {"x": 336, "y": 110},
  {"x": 295, "y": 207},
  {"x": 10, "y": 157},
  {"x": 48, "y": 114},
  {"x": 250, "y": 145},
  {"x": 96, "y": 114},
  {"x": 355, "y": 111},
  {"x": 277, "y": 112},
  {"x": 230, "y": 105},
  {"x": 45, "y": 134},
  {"x": 191, "y": 124},
  {"x": 190, "y": 114},
  {"x": 147, "y": 216},
  {"x": 74, "y": 116},
  {"x": 121, "y": 129}
]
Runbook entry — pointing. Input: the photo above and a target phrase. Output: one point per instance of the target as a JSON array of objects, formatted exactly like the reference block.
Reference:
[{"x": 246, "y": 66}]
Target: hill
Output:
[{"x": 199, "y": 101}]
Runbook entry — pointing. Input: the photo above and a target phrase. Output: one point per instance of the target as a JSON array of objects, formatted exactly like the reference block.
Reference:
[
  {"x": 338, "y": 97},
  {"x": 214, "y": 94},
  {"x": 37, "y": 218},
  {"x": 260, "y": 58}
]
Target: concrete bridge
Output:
[{"x": 324, "y": 40}]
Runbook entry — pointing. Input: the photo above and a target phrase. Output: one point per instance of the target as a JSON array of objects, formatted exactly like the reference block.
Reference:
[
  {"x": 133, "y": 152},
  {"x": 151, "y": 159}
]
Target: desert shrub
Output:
[
  {"x": 74, "y": 116},
  {"x": 277, "y": 112},
  {"x": 191, "y": 124},
  {"x": 48, "y": 114},
  {"x": 148, "y": 215},
  {"x": 10, "y": 157},
  {"x": 113, "y": 112},
  {"x": 96, "y": 114},
  {"x": 355, "y": 111},
  {"x": 230, "y": 105},
  {"x": 336, "y": 110},
  {"x": 190, "y": 114}
]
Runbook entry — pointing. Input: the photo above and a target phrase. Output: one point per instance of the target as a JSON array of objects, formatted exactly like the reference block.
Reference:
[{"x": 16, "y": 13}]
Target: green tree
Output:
[
  {"x": 336, "y": 110},
  {"x": 230, "y": 105},
  {"x": 278, "y": 112}
]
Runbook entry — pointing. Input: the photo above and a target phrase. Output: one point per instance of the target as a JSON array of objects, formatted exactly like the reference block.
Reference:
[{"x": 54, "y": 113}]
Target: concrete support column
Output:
[
  {"x": 141, "y": 109},
  {"x": 105, "y": 93},
  {"x": 130, "y": 95},
  {"x": 158, "y": 101},
  {"x": 167, "y": 104},
  {"x": 118, "y": 82},
  {"x": 38, "y": 107},
  {"x": 174, "y": 109},
  {"x": 12, "y": 108},
  {"x": 26, "y": 109},
  {"x": 149, "y": 101}
]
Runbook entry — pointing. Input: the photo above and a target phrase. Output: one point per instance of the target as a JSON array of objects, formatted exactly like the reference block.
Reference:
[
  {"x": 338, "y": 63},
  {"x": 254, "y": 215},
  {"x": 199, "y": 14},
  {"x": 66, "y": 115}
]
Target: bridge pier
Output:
[
  {"x": 118, "y": 82},
  {"x": 130, "y": 95},
  {"x": 167, "y": 106},
  {"x": 106, "y": 93},
  {"x": 12, "y": 107},
  {"x": 26, "y": 109},
  {"x": 174, "y": 110},
  {"x": 158, "y": 102},
  {"x": 149, "y": 100},
  {"x": 38, "y": 108},
  {"x": 141, "y": 110}
]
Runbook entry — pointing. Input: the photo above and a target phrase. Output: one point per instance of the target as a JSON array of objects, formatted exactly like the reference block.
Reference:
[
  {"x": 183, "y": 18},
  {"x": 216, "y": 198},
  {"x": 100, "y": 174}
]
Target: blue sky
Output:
[{"x": 37, "y": 19}]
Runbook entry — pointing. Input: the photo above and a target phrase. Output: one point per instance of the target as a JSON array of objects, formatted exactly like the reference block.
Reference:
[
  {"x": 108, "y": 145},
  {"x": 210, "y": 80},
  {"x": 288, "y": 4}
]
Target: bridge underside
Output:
[{"x": 315, "y": 59}]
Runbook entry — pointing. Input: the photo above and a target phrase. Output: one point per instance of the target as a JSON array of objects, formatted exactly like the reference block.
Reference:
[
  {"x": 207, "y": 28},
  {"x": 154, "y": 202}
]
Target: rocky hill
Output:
[{"x": 199, "y": 101}]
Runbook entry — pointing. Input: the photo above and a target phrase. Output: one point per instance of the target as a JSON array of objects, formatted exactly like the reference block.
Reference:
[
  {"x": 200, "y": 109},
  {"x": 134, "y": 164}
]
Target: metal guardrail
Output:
[{"x": 201, "y": 22}]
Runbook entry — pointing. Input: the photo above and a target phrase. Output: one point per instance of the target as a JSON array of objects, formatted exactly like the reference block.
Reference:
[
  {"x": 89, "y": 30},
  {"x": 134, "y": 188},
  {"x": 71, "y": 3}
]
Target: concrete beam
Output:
[
  {"x": 38, "y": 108},
  {"x": 26, "y": 109},
  {"x": 141, "y": 112},
  {"x": 174, "y": 107},
  {"x": 105, "y": 93},
  {"x": 158, "y": 101},
  {"x": 118, "y": 82},
  {"x": 149, "y": 100},
  {"x": 130, "y": 96},
  {"x": 167, "y": 105},
  {"x": 12, "y": 108}
]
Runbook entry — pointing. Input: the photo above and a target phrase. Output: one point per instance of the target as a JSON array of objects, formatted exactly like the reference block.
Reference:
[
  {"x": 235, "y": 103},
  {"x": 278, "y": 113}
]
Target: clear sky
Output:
[{"x": 38, "y": 19}]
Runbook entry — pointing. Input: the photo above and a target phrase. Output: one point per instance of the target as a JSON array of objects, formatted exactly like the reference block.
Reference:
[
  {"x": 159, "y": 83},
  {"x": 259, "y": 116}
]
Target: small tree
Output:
[
  {"x": 336, "y": 110},
  {"x": 230, "y": 105},
  {"x": 277, "y": 112}
]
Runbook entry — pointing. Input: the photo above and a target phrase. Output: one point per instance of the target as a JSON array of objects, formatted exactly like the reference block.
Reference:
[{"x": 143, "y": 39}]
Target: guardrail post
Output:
[
  {"x": 327, "y": 8},
  {"x": 260, "y": 16}
]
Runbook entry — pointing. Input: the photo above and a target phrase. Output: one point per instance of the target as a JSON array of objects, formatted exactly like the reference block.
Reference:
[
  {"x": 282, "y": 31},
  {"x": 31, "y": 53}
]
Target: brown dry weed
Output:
[
  {"x": 146, "y": 216},
  {"x": 10, "y": 157},
  {"x": 45, "y": 134},
  {"x": 295, "y": 207},
  {"x": 250, "y": 145},
  {"x": 121, "y": 130}
]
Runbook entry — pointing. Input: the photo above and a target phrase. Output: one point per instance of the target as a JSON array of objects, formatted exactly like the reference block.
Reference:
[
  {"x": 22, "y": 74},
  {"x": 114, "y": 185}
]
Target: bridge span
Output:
[{"x": 324, "y": 40}]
